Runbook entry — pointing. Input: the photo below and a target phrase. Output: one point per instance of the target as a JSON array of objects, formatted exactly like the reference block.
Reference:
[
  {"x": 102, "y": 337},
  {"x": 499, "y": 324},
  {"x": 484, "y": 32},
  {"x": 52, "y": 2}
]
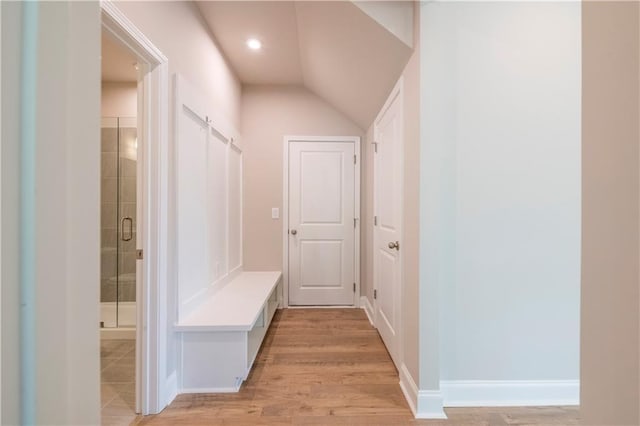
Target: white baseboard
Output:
[
  {"x": 409, "y": 388},
  {"x": 172, "y": 389},
  {"x": 509, "y": 393},
  {"x": 424, "y": 404},
  {"x": 368, "y": 309},
  {"x": 430, "y": 405},
  {"x": 210, "y": 390}
]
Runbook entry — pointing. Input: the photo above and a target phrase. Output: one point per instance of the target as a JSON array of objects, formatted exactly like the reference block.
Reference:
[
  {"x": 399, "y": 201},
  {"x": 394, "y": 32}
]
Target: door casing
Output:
[
  {"x": 285, "y": 209},
  {"x": 153, "y": 392}
]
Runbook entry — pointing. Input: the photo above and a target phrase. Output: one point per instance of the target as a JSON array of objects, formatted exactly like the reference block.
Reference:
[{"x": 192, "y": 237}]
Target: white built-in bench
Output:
[{"x": 221, "y": 337}]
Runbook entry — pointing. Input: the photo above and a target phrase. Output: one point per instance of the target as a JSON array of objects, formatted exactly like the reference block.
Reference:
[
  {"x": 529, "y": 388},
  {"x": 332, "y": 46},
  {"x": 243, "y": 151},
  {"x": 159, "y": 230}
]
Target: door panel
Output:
[
  {"x": 321, "y": 264},
  {"x": 321, "y": 223},
  {"x": 388, "y": 211},
  {"x": 386, "y": 296}
]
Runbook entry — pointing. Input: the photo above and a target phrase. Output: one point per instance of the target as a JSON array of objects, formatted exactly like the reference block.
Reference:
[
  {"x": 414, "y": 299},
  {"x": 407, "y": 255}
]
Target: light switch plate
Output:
[{"x": 275, "y": 213}]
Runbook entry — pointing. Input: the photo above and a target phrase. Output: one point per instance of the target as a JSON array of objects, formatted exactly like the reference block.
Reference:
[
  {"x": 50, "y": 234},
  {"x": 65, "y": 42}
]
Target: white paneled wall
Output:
[
  {"x": 218, "y": 190},
  {"x": 208, "y": 176},
  {"x": 235, "y": 208}
]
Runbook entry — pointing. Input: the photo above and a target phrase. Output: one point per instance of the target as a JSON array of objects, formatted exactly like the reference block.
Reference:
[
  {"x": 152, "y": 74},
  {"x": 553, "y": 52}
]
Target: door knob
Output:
[
  {"x": 294, "y": 232},
  {"x": 394, "y": 245}
]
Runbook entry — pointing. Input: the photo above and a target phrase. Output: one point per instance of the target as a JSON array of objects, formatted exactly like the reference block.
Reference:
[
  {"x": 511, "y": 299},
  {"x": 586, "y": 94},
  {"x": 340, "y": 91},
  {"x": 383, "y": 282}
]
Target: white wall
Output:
[
  {"x": 500, "y": 191},
  {"x": 119, "y": 99},
  {"x": 269, "y": 113}
]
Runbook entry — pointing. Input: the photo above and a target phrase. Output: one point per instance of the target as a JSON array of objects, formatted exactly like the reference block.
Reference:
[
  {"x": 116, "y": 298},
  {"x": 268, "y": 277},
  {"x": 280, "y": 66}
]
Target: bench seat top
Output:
[{"x": 235, "y": 307}]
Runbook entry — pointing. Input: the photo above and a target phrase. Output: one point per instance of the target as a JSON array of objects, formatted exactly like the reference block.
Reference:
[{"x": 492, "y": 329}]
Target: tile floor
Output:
[{"x": 117, "y": 374}]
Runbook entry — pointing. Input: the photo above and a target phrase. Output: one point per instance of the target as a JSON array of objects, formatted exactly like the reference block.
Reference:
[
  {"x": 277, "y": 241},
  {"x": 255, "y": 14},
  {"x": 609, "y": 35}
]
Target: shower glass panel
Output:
[{"x": 118, "y": 222}]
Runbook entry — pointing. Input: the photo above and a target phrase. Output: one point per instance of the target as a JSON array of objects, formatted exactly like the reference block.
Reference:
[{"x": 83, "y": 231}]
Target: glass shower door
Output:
[
  {"x": 118, "y": 222},
  {"x": 109, "y": 223},
  {"x": 127, "y": 189}
]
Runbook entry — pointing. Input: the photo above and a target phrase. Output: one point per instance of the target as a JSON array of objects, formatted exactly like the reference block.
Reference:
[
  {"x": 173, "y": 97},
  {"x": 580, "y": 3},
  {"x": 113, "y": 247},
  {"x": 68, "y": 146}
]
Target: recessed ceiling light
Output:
[{"x": 254, "y": 44}]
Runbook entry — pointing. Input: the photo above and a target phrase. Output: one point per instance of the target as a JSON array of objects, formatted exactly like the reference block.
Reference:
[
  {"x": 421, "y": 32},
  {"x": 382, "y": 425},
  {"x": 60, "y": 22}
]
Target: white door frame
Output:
[
  {"x": 151, "y": 289},
  {"x": 396, "y": 95},
  {"x": 285, "y": 210}
]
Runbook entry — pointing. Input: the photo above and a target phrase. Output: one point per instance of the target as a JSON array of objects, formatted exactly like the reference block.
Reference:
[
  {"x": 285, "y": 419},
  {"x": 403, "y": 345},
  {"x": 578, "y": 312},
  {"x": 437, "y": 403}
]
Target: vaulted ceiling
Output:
[{"x": 348, "y": 54}]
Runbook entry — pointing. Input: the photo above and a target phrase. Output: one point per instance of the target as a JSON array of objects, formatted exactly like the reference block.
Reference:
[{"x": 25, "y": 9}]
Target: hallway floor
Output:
[{"x": 326, "y": 367}]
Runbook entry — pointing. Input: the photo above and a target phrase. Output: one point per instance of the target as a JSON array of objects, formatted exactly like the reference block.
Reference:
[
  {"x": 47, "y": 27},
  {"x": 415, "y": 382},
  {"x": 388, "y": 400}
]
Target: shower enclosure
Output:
[{"x": 118, "y": 222}]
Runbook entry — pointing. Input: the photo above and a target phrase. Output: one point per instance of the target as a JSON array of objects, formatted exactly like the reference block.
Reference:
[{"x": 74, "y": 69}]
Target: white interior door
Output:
[
  {"x": 387, "y": 223},
  {"x": 322, "y": 228}
]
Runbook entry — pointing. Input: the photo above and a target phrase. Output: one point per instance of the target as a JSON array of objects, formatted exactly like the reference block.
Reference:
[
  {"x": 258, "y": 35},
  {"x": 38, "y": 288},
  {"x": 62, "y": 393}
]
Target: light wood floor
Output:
[{"x": 328, "y": 367}]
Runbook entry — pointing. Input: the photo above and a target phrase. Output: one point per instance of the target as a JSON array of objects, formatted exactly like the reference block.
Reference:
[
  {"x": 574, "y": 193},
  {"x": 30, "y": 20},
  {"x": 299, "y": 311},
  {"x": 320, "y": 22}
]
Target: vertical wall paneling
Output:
[
  {"x": 208, "y": 182},
  {"x": 235, "y": 208},
  {"x": 218, "y": 191},
  {"x": 192, "y": 204}
]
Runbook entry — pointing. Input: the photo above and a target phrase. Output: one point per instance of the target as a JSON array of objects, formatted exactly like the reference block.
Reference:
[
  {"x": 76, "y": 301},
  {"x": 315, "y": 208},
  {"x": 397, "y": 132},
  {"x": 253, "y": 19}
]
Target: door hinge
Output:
[
  {"x": 375, "y": 220},
  {"x": 354, "y": 287},
  {"x": 354, "y": 222},
  {"x": 375, "y": 147},
  {"x": 139, "y": 254},
  {"x": 354, "y": 158},
  {"x": 375, "y": 294}
]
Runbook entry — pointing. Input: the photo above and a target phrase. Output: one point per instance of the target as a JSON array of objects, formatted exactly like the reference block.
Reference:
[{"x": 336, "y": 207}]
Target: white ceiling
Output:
[
  {"x": 333, "y": 48},
  {"x": 117, "y": 62}
]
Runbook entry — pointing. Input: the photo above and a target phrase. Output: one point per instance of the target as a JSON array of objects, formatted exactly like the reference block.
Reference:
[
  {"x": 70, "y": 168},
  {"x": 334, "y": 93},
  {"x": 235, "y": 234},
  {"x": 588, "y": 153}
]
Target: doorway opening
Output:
[
  {"x": 141, "y": 167},
  {"x": 118, "y": 231}
]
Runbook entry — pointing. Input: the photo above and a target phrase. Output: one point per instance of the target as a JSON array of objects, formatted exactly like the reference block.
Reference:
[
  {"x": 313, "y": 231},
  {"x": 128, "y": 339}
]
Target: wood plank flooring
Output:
[{"x": 329, "y": 367}]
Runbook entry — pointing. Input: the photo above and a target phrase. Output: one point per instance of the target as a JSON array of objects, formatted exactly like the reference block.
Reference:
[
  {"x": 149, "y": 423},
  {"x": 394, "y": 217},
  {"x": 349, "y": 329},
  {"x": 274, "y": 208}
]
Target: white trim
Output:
[
  {"x": 430, "y": 405},
  {"x": 285, "y": 223},
  {"x": 151, "y": 350},
  {"x": 210, "y": 390},
  {"x": 285, "y": 210},
  {"x": 409, "y": 388},
  {"x": 510, "y": 393},
  {"x": 171, "y": 388},
  {"x": 424, "y": 404},
  {"x": 356, "y": 213},
  {"x": 1, "y": 198},
  {"x": 324, "y": 307},
  {"x": 368, "y": 309}
]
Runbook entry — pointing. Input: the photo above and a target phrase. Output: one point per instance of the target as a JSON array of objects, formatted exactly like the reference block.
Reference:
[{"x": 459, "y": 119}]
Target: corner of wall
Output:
[
  {"x": 424, "y": 404},
  {"x": 368, "y": 308}
]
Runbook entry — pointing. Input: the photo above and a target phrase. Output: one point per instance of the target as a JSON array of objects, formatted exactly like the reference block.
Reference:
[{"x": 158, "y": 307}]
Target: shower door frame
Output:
[{"x": 154, "y": 389}]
